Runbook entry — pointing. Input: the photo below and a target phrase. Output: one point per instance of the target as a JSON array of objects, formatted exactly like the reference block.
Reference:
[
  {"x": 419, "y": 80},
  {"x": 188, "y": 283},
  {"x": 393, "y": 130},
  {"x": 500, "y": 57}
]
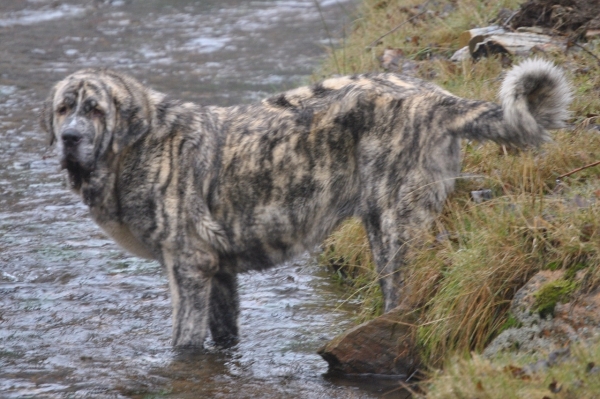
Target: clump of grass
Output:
[
  {"x": 347, "y": 252},
  {"x": 511, "y": 322},
  {"x": 515, "y": 376},
  {"x": 469, "y": 267},
  {"x": 472, "y": 295}
]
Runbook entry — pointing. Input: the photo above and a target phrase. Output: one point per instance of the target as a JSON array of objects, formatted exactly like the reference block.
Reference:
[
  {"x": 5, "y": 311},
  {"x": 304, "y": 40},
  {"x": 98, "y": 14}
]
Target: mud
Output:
[{"x": 78, "y": 316}]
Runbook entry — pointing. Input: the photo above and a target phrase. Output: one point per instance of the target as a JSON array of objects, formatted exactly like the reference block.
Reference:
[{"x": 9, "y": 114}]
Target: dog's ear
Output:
[
  {"x": 132, "y": 117},
  {"x": 47, "y": 117}
]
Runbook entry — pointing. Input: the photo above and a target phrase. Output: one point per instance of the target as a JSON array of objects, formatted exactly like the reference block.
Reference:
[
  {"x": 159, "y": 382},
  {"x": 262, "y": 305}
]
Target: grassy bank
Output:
[
  {"x": 466, "y": 269},
  {"x": 511, "y": 377}
]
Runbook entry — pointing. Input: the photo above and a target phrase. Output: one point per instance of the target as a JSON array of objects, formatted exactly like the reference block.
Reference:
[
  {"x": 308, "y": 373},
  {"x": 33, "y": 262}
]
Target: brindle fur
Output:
[{"x": 211, "y": 192}]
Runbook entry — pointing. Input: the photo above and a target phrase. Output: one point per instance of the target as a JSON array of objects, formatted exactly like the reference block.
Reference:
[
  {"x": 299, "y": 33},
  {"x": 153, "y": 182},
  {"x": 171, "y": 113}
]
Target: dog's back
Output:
[{"x": 296, "y": 164}]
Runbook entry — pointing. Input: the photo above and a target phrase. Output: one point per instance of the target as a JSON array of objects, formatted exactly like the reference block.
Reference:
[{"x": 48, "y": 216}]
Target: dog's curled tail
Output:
[{"x": 535, "y": 96}]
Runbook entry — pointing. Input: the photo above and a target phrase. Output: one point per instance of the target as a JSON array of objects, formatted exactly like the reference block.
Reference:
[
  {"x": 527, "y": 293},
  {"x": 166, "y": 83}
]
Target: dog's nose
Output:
[{"x": 71, "y": 137}]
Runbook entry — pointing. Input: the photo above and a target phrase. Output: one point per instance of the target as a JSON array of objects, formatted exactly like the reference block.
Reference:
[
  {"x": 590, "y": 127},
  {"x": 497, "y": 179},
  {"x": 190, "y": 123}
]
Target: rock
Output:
[
  {"x": 524, "y": 301},
  {"x": 480, "y": 196},
  {"x": 577, "y": 320},
  {"x": 393, "y": 60},
  {"x": 461, "y": 55},
  {"x": 385, "y": 345}
]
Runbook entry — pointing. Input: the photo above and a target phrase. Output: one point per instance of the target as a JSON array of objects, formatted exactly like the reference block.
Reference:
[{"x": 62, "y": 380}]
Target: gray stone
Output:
[{"x": 572, "y": 322}]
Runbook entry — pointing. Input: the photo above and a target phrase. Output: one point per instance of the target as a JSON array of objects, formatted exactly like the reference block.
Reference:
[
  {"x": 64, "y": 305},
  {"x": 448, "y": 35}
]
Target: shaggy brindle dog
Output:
[{"x": 211, "y": 192}]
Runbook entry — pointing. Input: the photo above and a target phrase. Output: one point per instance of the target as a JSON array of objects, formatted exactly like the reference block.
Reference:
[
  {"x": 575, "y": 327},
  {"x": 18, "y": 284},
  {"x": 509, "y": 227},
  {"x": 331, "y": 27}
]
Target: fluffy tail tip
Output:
[{"x": 536, "y": 94}]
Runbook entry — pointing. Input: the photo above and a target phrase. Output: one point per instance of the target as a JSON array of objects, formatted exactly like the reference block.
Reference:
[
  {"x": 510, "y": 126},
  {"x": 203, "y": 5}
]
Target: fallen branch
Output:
[
  {"x": 574, "y": 43},
  {"x": 578, "y": 169},
  {"x": 374, "y": 42}
]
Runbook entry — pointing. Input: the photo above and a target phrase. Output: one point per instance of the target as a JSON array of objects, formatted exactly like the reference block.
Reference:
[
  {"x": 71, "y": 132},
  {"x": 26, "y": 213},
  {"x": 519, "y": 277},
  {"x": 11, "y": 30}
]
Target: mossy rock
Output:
[{"x": 552, "y": 293}]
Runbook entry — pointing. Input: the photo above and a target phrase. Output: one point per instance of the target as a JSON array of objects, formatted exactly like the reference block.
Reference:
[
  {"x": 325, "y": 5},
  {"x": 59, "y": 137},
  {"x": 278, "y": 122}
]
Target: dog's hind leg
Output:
[
  {"x": 393, "y": 228},
  {"x": 224, "y": 309},
  {"x": 389, "y": 244}
]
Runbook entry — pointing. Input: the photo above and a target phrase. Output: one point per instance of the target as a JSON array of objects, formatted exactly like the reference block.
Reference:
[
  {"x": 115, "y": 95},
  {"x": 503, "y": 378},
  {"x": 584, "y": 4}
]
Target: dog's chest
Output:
[{"x": 124, "y": 237}]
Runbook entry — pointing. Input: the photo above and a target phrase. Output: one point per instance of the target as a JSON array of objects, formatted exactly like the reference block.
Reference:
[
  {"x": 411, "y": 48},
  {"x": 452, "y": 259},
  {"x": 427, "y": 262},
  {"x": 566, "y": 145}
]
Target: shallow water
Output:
[{"x": 78, "y": 316}]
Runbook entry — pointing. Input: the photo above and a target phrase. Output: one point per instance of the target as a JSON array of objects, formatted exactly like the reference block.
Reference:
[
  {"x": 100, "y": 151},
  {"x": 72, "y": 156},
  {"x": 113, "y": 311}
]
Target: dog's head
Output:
[{"x": 92, "y": 114}]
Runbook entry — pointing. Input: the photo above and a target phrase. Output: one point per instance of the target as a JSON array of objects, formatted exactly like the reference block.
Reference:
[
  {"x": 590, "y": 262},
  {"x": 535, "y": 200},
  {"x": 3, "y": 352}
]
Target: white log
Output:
[{"x": 516, "y": 43}]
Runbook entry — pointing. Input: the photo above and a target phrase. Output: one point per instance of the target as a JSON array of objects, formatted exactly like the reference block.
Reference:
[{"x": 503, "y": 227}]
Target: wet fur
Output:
[{"x": 211, "y": 192}]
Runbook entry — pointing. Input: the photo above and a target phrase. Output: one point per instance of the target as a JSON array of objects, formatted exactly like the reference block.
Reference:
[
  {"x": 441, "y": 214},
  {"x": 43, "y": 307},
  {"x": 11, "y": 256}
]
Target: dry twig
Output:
[
  {"x": 577, "y": 170},
  {"x": 574, "y": 43}
]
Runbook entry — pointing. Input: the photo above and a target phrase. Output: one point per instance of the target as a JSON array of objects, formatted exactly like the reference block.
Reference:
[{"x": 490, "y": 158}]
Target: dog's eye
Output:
[
  {"x": 62, "y": 110},
  {"x": 96, "y": 113}
]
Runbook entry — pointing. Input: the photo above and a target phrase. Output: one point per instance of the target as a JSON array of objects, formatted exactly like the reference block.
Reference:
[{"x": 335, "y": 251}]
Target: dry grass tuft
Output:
[{"x": 347, "y": 253}]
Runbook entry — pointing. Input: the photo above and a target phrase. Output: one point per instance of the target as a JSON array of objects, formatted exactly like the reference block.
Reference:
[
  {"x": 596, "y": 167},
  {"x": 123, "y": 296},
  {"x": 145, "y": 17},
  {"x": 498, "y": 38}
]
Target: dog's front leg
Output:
[{"x": 190, "y": 285}]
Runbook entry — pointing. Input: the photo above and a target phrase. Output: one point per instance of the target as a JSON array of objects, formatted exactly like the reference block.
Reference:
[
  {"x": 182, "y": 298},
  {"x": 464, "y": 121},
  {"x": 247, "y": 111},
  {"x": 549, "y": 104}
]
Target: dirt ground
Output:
[{"x": 573, "y": 17}]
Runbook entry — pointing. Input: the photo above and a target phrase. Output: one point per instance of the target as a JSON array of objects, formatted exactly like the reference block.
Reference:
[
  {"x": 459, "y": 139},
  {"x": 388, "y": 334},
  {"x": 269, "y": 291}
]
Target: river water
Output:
[{"x": 78, "y": 316}]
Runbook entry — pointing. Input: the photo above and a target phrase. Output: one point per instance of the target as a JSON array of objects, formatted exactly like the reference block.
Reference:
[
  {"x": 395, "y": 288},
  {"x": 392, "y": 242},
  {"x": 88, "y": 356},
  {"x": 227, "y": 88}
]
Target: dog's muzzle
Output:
[{"x": 71, "y": 139}]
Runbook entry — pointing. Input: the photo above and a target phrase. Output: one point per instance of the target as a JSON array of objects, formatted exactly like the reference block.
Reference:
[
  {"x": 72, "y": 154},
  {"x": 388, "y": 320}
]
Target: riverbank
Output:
[{"x": 467, "y": 270}]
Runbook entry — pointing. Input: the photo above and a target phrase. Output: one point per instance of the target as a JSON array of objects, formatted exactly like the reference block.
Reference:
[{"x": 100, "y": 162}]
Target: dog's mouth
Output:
[{"x": 78, "y": 173}]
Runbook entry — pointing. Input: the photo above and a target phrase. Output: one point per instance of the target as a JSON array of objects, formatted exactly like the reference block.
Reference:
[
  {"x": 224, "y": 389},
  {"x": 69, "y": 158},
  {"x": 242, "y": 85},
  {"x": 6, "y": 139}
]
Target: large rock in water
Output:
[{"x": 385, "y": 345}]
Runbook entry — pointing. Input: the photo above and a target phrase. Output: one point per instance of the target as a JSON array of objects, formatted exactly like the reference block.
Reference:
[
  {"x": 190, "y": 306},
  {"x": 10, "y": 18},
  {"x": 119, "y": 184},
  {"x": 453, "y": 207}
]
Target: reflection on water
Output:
[{"x": 78, "y": 316}]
